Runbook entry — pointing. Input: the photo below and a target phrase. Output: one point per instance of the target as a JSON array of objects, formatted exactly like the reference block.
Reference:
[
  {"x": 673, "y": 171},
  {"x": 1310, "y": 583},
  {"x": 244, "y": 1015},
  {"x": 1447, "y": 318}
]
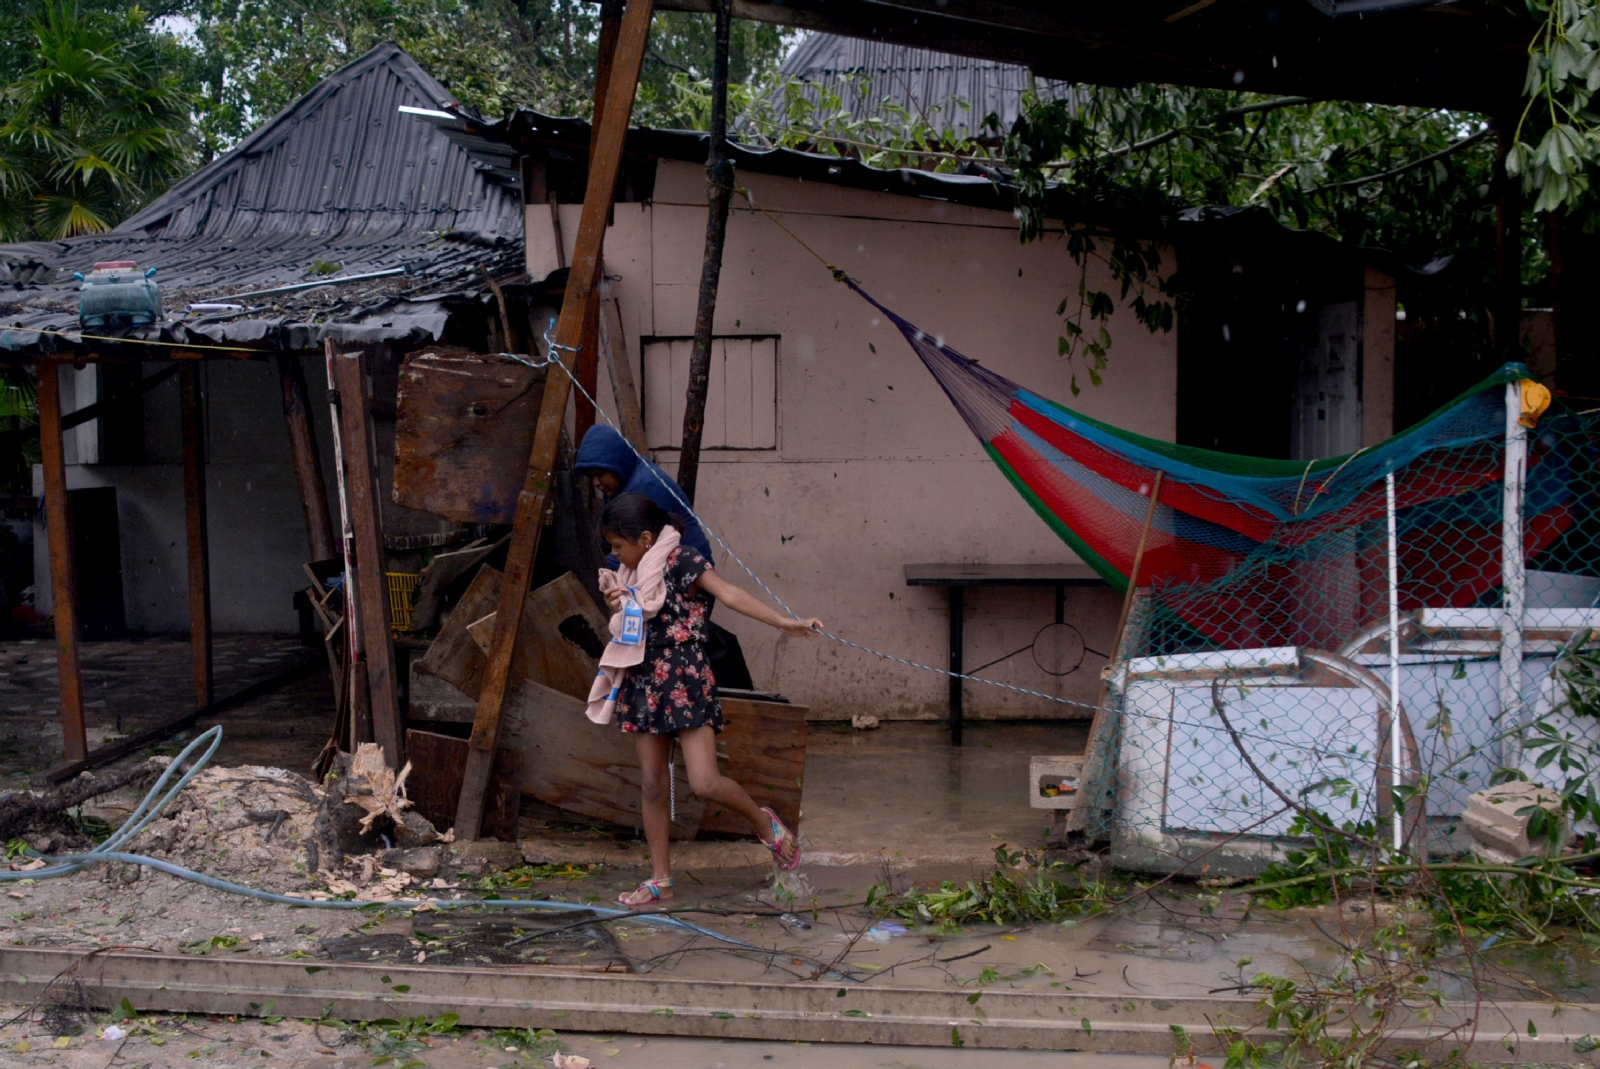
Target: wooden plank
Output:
[
  {"x": 463, "y": 429},
  {"x": 584, "y": 768},
  {"x": 307, "y": 462},
  {"x": 563, "y": 634},
  {"x": 611, "y": 127},
  {"x": 372, "y": 587},
  {"x": 765, "y": 744},
  {"x": 764, "y": 393},
  {"x": 63, "y": 582},
  {"x": 454, "y": 657},
  {"x": 196, "y": 533},
  {"x": 614, "y": 345},
  {"x": 738, "y": 403},
  {"x": 434, "y": 786}
]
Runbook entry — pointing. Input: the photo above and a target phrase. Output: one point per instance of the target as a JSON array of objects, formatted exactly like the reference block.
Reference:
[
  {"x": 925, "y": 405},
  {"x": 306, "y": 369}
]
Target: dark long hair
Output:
[{"x": 631, "y": 515}]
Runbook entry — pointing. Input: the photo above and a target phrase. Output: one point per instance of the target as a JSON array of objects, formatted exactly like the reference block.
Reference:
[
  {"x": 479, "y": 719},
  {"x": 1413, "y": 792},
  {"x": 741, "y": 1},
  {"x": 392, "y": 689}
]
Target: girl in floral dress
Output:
[{"x": 673, "y": 693}]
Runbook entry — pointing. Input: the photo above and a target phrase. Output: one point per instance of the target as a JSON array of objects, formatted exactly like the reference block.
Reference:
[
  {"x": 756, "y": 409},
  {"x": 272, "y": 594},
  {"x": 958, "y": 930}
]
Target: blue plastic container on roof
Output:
[{"x": 117, "y": 294}]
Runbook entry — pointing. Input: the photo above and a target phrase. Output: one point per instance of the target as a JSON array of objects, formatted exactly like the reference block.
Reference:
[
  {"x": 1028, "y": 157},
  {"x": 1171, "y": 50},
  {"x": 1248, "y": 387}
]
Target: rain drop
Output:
[
  {"x": 1238, "y": 77},
  {"x": 1300, "y": 305}
]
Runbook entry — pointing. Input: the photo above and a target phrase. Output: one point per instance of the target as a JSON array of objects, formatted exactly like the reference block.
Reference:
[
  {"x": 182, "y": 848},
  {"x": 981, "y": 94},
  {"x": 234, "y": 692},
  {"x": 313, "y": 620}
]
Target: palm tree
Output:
[{"x": 96, "y": 124}]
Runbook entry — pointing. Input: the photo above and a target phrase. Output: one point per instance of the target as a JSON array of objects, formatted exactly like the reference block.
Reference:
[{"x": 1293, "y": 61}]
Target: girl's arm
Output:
[{"x": 746, "y": 605}]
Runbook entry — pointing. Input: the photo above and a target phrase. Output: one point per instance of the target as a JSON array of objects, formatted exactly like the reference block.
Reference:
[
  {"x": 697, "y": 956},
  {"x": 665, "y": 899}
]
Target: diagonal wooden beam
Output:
[{"x": 582, "y": 279}]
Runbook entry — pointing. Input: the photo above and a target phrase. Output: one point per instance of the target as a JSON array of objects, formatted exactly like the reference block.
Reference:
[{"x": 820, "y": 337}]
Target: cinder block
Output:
[
  {"x": 1492, "y": 819},
  {"x": 1058, "y": 774}
]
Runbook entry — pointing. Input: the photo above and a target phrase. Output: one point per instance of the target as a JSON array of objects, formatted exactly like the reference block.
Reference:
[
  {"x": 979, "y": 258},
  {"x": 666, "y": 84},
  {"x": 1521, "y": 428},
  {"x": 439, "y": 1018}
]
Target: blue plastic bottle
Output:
[{"x": 632, "y": 621}]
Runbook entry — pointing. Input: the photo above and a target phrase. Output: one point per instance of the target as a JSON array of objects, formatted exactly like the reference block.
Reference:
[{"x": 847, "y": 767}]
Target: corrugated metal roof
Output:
[
  {"x": 339, "y": 176},
  {"x": 952, "y": 94}
]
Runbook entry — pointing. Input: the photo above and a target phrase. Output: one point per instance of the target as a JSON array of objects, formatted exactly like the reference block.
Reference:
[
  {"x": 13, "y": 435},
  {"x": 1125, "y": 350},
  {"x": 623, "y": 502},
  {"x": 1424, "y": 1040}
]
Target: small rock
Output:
[
  {"x": 864, "y": 722},
  {"x": 231, "y": 818},
  {"x": 159, "y": 837},
  {"x": 415, "y": 830},
  {"x": 485, "y": 856},
  {"x": 421, "y": 862},
  {"x": 261, "y": 853}
]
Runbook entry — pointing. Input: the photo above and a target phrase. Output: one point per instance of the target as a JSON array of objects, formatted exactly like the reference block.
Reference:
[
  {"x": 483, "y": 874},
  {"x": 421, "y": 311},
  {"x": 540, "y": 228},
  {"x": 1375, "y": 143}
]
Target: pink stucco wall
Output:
[{"x": 874, "y": 469}]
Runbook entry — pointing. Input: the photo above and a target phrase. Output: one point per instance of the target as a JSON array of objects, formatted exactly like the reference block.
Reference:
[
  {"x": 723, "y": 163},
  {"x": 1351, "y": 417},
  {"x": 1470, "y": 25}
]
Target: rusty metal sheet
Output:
[
  {"x": 765, "y": 747},
  {"x": 463, "y": 433},
  {"x": 437, "y": 764}
]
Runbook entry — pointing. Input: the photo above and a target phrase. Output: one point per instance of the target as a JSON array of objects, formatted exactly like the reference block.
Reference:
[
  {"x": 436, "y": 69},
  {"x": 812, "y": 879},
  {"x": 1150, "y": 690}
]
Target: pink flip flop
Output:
[{"x": 785, "y": 846}]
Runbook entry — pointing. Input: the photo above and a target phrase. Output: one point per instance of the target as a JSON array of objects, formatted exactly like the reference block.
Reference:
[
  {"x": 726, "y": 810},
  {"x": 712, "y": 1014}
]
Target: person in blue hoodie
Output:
[{"x": 615, "y": 468}]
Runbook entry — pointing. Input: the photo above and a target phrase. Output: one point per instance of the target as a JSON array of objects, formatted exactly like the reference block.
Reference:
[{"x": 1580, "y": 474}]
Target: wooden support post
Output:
[
  {"x": 194, "y": 507},
  {"x": 719, "y": 197},
  {"x": 611, "y": 128},
  {"x": 372, "y": 586},
  {"x": 63, "y": 580},
  {"x": 583, "y": 414},
  {"x": 614, "y": 347},
  {"x": 307, "y": 461},
  {"x": 1093, "y": 780}
]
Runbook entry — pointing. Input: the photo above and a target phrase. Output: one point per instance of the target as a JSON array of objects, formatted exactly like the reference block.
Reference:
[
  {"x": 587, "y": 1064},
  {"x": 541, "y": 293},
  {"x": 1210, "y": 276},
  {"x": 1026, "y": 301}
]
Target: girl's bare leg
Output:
[
  {"x": 653, "y": 751},
  {"x": 708, "y": 782}
]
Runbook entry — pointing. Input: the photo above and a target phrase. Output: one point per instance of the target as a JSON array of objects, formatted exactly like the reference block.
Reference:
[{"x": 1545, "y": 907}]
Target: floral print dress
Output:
[{"x": 674, "y": 690}]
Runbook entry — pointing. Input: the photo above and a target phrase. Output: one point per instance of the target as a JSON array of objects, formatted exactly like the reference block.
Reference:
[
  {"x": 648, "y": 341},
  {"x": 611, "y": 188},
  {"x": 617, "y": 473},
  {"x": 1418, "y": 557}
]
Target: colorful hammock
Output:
[{"x": 1249, "y": 552}]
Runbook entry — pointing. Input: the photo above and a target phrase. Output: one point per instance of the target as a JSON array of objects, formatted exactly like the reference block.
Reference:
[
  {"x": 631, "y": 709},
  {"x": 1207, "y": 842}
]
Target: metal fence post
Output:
[{"x": 1513, "y": 579}]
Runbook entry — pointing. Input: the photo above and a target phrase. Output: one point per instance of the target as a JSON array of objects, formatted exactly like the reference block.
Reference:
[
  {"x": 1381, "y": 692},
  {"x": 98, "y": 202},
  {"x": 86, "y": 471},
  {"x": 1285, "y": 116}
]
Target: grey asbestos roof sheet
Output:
[
  {"x": 340, "y": 176},
  {"x": 874, "y": 79}
]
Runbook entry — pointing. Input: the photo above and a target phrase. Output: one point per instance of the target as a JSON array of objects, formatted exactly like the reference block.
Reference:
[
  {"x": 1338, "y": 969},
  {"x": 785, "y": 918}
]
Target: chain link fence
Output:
[{"x": 1260, "y": 683}]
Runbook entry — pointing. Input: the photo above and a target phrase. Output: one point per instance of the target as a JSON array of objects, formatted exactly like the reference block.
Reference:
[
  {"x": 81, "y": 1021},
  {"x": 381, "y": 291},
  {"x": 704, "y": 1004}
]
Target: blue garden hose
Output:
[{"x": 150, "y": 810}]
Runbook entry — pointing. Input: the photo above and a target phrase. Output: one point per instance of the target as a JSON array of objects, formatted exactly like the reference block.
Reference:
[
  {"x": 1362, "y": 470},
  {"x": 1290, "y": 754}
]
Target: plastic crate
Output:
[{"x": 402, "y": 597}]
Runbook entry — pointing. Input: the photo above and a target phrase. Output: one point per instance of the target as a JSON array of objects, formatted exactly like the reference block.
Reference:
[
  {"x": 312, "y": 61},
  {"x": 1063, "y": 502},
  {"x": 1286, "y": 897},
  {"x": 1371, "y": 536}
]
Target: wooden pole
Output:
[
  {"x": 372, "y": 586},
  {"x": 588, "y": 369},
  {"x": 719, "y": 196},
  {"x": 610, "y": 131},
  {"x": 614, "y": 346},
  {"x": 63, "y": 580},
  {"x": 307, "y": 460},
  {"x": 1095, "y": 763},
  {"x": 195, "y": 530}
]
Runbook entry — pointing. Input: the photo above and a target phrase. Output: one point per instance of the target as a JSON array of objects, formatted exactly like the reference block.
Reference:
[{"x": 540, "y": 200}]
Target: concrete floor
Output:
[
  {"x": 903, "y": 790},
  {"x": 900, "y": 793}
]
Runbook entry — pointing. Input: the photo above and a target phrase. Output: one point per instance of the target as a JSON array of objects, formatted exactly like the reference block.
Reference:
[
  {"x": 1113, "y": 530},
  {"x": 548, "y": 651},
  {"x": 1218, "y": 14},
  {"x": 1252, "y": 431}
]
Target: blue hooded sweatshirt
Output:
[{"x": 603, "y": 449}]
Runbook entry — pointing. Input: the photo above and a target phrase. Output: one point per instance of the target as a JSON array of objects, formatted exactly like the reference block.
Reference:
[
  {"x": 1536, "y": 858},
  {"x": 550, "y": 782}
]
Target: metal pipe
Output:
[
  {"x": 1513, "y": 578},
  {"x": 346, "y": 535},
  {"x": 298, "y": 286},
  {"x": 1394, "y": 663}
]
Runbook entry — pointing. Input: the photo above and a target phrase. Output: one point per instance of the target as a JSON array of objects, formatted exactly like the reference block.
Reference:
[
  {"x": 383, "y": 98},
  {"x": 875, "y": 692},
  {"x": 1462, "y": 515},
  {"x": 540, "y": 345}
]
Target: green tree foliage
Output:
[
  {"x": 1557, "y": 138},
  {"x": 251, "y": 58},
  {"x": 96, "y": 122}
]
